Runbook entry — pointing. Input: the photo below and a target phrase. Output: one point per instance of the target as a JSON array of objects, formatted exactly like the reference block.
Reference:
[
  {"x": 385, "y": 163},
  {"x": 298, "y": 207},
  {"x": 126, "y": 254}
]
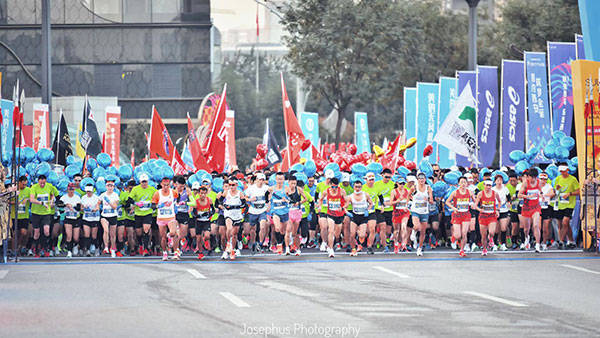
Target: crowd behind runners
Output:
[{"x": 382, "y": 212}]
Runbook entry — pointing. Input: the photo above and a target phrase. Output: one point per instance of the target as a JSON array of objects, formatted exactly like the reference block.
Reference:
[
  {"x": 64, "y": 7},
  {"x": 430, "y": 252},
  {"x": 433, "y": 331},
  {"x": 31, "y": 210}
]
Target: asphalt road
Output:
[{"x": 551, "y": 295}]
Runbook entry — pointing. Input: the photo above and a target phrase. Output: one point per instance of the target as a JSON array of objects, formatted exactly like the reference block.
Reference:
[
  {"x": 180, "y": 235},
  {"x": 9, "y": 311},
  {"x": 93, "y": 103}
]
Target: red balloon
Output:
[
  {"x": 365, "y": 156},
  {"x": 320, "y": 163},
  {"x": 400, "y": 160},
  {"x": 305, "y": 144},
  {"x": 352, "y": 149},
  {"x": 410, "y": 165},
  {"x": 332, "y": 147},
  {"x": 261, "y": 164},
  {"x": 427, "y": 151},
  {"x": 343, "y": 147},
  {"x": 261, "y": 150}
]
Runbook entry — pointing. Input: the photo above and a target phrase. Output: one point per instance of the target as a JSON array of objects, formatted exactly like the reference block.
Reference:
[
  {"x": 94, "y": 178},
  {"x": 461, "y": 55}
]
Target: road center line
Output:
[
  {"x": 3, "y": 273},
  {"x": 196, "y": 274},
  {"x": 391, "y": 272},
  {"x": 580, "y": 269},
  {"x": 288, "y": 288},
  {"x": 234, "y": 299},
  {"x": 495, "y": 299}
]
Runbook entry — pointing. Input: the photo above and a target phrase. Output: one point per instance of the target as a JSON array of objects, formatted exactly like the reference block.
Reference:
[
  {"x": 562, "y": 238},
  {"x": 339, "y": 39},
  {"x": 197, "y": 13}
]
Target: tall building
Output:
[{"x": 143, "y": 52}]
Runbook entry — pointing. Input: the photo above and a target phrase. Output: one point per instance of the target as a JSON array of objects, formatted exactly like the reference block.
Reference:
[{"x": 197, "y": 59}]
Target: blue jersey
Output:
[{"x": 279, "y": 202}]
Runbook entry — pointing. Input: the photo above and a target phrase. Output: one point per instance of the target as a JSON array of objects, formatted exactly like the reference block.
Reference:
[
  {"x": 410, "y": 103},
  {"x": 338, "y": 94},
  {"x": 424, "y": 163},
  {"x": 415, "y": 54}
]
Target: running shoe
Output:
[
  {"x": 57, "y": 251},
  {"x": 494, "y": 248},
  {"x": 413, "y": 238},
  {"x": 297, "y": 253},
  {"x": 311, "y": 244},
  {"x": 183, "y": 244},
  {"x": 106, "y": 251},
  {"x": 467, "y": 248},
  {"x": 50, "y": 252},
  {"x": 503, "y": 247},
  {"x": 87, "y": 253},
  {"x": 514, "y": 246},
  {"x": 37, "y": 254},
  {"x": 69, "y": 254},
  {"x": 419, "y": 251},
  {"x": 225, "y": 255},
  {"x": 453, "y": 243},
  {"x": 508, "y": 241},
  {"x": 165, "y": 256},
  {"x": 280, "y": 249},
  {"x": 76, "y": 250},
  {"x": 359, "y": 248},
  {"x": 323, "y": 246},
  {"x": 331, "y": 253},
  {"x": 145, "y": 253},
  {"x": 240, "y": 245},
  {"x": 462, "y": 253},
  {"x": 92, "y": 248},
  {"x": 537, "y": 247},
  {"x": 266, "y": 242},
  {"x": 484, "y": 252},
  {"x": 544, "y": 247},
  {"x": 238, "y": 252},
  {"x": 354, "y": 253},
  {"x": 370, "y": 250},
  {"x": 386, "y": 250},
  {"x": 396, "y": 248},
  {"x": 337, "y": 247},
  {"x": 30, "y": 252},
  {"x": 287, "y": 250},
  {"x": 119, "y": 254},
  {"x": 177, "y": 255},
  {"x": 217, "y": 250},
  {"x": 474, "y": 247},
  {"x": 113, "y": 254},
  {"x": 201, "y": 256},
  {"x": 232, "y": 255},
  {"x": 47, "y": 253}
]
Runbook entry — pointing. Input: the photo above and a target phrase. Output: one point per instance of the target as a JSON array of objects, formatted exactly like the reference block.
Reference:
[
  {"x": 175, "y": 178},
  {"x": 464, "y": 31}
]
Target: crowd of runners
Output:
[{"x": 332, "y": 212}]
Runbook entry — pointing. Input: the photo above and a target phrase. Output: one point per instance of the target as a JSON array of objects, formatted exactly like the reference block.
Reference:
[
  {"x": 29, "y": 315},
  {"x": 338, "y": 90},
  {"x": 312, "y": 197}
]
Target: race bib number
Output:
[
  {"x": 334, "y": 205},
  {"x": 165, "y": 212},
  {"x": 145, "y": 206},
  {"x": 420, "y": 205},
  {"x": 462, "y": 206},
  {"x": 532, "y": 194},
  {"x": 71, "y": 214},
  {"x": 21, "y": 209}
]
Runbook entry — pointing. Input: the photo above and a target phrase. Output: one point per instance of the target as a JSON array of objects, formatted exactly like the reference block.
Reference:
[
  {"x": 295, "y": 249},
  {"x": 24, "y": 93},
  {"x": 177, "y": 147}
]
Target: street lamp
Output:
[{"x": 472, "y": 33}]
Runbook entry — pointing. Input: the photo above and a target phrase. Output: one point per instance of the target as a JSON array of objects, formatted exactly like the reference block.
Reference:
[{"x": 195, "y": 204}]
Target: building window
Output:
[
  {"x": 110, "y": 10},
  {"x": 165, "y": 10},
  {"x": 136, "y": 11}
]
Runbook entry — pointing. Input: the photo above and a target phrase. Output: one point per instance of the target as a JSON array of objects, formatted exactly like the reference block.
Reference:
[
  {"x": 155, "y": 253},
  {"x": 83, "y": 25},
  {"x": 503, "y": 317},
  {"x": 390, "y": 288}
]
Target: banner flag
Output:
[
  {"x": 273, "y": 155},
  {"x": 90, "y": 139},
  {"x": 62, "y": 142},
  {"x": 448, "y": 95},
  {"x": 214, "y": 154},
  {"x": 560, "y": 55},
  {"x": 410, "y": 120},
  {"x": 294, "y": 135},
  {"x": 579, "y": 47},
  {"x": 78, "y": 147},
  {"x": 458, "y": 130},
  {"x": 466, "y": 77},
  {"x": 539, "y": 131},
  {"x": 159, "y": 142},
  {"x": 513, "y": 121},
  {"x": 230, "y": 156},
  {"x": 309, "y": 122},
  {"x": 361, "y": 133},
  {"x": 427, "y": 103},
  {"x": 588, "y": 13},
  {"x": 6, "y": 108},
  {"x": 41, "y": 127},
  {"x": 487, "y": 114},
  {"x": 112, "y": 141}
]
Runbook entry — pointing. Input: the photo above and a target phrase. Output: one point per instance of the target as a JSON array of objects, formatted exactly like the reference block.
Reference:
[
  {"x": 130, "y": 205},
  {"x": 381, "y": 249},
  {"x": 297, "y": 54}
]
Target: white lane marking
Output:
[
  {"x": 580, "y": 268},
  {"x": 388, "y": 314},
  {"x": 495, "y": 299},
  {"x": 3, "y": 273},
  {"x": 288, "y": 288},
  {"x": 234, "y": 299},
  {"x": 196, "y": 274},
  {"x": 397, "y": 274}
]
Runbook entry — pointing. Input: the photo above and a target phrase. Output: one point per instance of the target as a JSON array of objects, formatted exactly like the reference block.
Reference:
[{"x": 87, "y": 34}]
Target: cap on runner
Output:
[
  {"x": 345, "y": 177},
  {"x": 370, "y": 176},
  {"x": 195, "y": 185},
  {"x": 260, "y": 176},
  {"x": 329, "y": 173},
  {"x": 562, "y": 168},
  {"x": 143, "y": 178},
  {"x": 89, "y": 188}
]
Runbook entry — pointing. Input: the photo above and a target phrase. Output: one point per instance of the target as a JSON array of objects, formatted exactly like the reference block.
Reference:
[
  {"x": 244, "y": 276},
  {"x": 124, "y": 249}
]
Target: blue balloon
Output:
[
  {"x": 217, "y": 184},
  {"x": 161, "y": 163},
  {"x": 378, "y": 177},
  {"x": 42, "y": 169},
  {"x": 30, "y": 167},
  {"x": 63, "y": 183},
  {"x": 482, "y": 172},
  {"x": 562, "y": 153},
  {"x": 575, "y": 161},
  {"x": 558, "y": 135},
  {"x": 104, "y": 160},
  {"x": 550, "y": 151},
  {"x": 521, "y": 166},
  {"x": 297, "y": 168},
  {"x": 85, "y": 182},
  {"x": 98, "y": 172},
  {"x": 29, "y": 154},
  {"x": 167, "y": 172},
  {"x": 452, "y": 178},
  {"x": 356, "y": 178},
  {"x": 359, "y": 169},
  {"x": 532, "y": 153},
  {"x": 91, "y": 165},
  {"x": 572, "y": 169},
  {"x": 333, "y": 166},
  {"x": 45, "y": 155},
  {"x": 374, "y": 167},
  {"x": 100, "y": 186},
  {"x": 567, "y": 142},
  {"x": 439, "y": 189},
  {"x": 156, "y": 174},
  {"x": 300, "y": 176},
  {"x": 500, "y": 173},
  {"x": 111, "y": 171},
  {"x": 111, "y": 177},
  {"x": 403, "y": 171},
  {"x": 125, "y": 172},
  {"x": 52, "y": 178},
  {"x": 202, "y": 173},
  {"x": 426, "y": 168},
  {"x": 310, "y": 168},
  {"x": 517, "y": 155},
  {"x": 70, "y": 159},
  {"x": 552, "y": 171}
]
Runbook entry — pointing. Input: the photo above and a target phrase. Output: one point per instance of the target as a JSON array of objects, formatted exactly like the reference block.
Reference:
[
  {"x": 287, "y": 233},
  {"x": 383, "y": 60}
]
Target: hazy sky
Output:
[{"x": 235, "y": 14}]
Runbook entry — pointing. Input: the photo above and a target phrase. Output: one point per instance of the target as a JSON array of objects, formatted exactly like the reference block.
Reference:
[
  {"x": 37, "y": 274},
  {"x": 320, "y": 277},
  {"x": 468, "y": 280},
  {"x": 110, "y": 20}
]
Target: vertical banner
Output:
[
  {"x": 588, "y": 13},
  {"x": 447, "y": 99},
  {"x": 427, "y": 103},
  {"x": 487, "y": 115},
  {"x": 41, "y": 127},
  {"x": 7, "y": 107},
  {"x": 229, "y": 126},
  {"x": 539, "y": 131},
  {"x": 512, "y": 134},
  {"x": 464, "y": 77},
  {"x": 361, "y": 133},
  {"x": 112, "y": 135},
  {"x": 560, "y": 55},
  {"x": 579, "y": 47},
  {"x": 309, "y": 123},
  {"x": 410, "y": 120}
]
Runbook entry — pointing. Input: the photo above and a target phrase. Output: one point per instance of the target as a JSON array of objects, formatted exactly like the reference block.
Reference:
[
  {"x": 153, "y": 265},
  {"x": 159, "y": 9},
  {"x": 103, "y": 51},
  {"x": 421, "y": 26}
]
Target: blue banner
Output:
[
  {"x": 309, "y": 122},
  {"x": 410, "y": 120},
  {"x": 579, "y": 47},
  {"x": 487, "y": 113},
  {"x": 7, "y": 131},
  {"x": 448, "y": 95},
  {"x": 361, "y": 133},
  {"x": 464, "y": 77},
  {"x": 539, "y": 131},
  {"x": 512, "y": 135},
  {"x": 589, "y": 10},
  {"x": 427, "y": 103},
  {"x": 560, "y": 55}
]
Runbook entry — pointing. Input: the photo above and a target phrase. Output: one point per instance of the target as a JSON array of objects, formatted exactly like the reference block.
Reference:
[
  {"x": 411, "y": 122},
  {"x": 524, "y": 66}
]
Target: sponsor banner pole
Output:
[
  {"x": 309, "y": 123},
  {"x": 427, "y": 102},
  {"x": 465, "y": 77},
  {"x": 560, "y": 55},
  {"x": 539, "y": 127},
  {"x": 410, "y": 119},
  {"x": 41, "y": 129},
  {"x": 447, "y": 99},
  {"x": 487, "y": 118},
  {"x": 361, "y": 133},
  {"x": 513, "y": 105},
  {"x": 579, "y": 47},
  {"x": 113, "y": 133}
]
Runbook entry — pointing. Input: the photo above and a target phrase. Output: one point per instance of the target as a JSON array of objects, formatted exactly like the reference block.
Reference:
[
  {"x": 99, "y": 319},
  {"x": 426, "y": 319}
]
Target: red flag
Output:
[
  {"x": 177, "y": 164},
  {"x": 215, "y": 149},
  {"x": 133, "y": 157},
  {"x": 295, "y": 137},
  {"x": 160, "y": 141},
  {"x": 103, "y": 141},
  {"x": 257, "y": 22},
  {"x": 195, "y": 149},
  {"x": 390, "y": 158}
]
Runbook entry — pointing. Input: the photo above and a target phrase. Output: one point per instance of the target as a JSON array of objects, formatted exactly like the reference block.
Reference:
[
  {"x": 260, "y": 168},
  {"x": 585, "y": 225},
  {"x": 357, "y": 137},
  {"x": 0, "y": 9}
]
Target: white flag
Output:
[{"x": 457, "y": 133}]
